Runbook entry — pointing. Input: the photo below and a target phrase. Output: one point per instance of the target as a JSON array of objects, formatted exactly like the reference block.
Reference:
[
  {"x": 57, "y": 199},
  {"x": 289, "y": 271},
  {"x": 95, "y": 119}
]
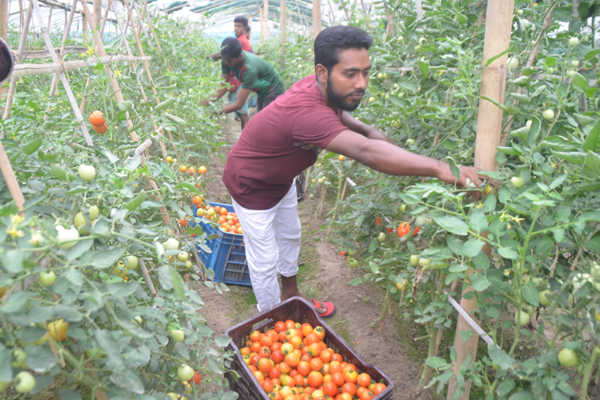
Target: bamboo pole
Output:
[
  {"x": 41, "y": 69},
  {"x": 117, "y": 91},
  {"x": 283, "y": 22},
  {"x": 147, "y": 69},
  {"x": 489, "y": 130},
  {"x": 262, "y": 26},
  {"x": 13, "y": 79},
  {"x": 331, "y": 13},
  {"x": 66, "y": 32},
  {"x": 3, "y": 31},
  {"x": 11, "y": 179},
  {"x": 97, "y": 14},
  {"x": 316, "y": 14},
  {"x": 266, "y": 5},
  {"x": 61, "y": 74}
]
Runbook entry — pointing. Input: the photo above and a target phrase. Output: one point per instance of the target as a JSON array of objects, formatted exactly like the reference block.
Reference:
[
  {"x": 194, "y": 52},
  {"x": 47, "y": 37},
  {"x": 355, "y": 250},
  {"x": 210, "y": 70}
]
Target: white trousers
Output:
[{"x": 272, "y": 241}]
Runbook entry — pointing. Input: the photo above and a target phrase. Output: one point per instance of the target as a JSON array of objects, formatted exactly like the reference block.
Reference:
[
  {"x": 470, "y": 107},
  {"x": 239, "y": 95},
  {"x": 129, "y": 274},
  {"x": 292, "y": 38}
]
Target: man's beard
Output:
[{"x": 340, "y": 100}]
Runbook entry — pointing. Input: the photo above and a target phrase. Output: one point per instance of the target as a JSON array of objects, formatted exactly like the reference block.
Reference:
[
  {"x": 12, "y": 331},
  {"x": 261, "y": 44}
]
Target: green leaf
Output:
[
  {"x": 30, "y": 147},
  {"x": 507, "y": 385},
  {"x": 397, "y": 100},
  {"x": 494, "y": 58},
  {"x": 591, "y": 167},
  {"x": 406, "y": 84},
  {"x": 472, "y": 247},
  {"x": 356, "y": 281},
  {"x": 6, "y": 373},
  {"x": 590, "y": 216},
  {"x": 190, "y": 187},
  {"x": 178, "y": 284},
  {"x": 40, "y": 358},
  {"x": 502, "y": 360},
  {"x": 593, "y": 244},
  {"x": 531, "y": 294},
  {"x": 128, "y": 379},
  {"x": 374, "y": 245},
  {"x": 13, "y": 260},
  {"x": 222, "y": 341},
  {"x": 104, "y": 259},
  {"x": 591, "y": 141},
  {"x": 523, "y": 395},
  {"x": 454, "y": 168},
  {"x": 534, "y": 130},
  {"x": 480, "y": 283},
  {"x": 110, "y": 346},
  {"x": 424, "y": 67},
  {"x": 123, "y": 289},
  {"x": 436, "y": 253},
  {"x": 436, "y": 362},
  {"x": 136, "y": 202},
  {"x": 8, "y": 209},
  {"x": 455, "y": 244},
  {"x": 16, "y": 302},
  {"x": 523, "y": 98},
  {"x": 69, "y": 394},
  {"x": 579, "y": 81},
  {"x": 583, "y": 119},
  {"x": 79, "y": 249},
  {"x": 164, "y": 277},
  {"x": 478, "y": 220},
  {"x": 452, "y": 224},
  {"x": 508, "y": 252},
  {"x": 564, "y": 14},
  {"x": 572, "y": 156}
]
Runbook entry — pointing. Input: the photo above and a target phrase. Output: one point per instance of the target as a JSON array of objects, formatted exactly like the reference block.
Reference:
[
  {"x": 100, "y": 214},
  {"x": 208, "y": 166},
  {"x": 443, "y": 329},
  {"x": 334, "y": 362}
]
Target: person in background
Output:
[
  {"x": 240, "y": 24},
  {"x": 279, "y": 143}
]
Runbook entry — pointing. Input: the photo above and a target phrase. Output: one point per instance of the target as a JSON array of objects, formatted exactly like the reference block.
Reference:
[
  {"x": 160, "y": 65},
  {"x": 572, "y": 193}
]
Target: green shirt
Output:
[{"x": 257, "y": 75}]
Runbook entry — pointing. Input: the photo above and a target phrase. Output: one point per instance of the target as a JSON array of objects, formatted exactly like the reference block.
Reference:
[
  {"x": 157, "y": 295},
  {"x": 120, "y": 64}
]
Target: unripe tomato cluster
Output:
[
  {"x": 228, "y": 221},
  {"x": 292, "y": 362}
]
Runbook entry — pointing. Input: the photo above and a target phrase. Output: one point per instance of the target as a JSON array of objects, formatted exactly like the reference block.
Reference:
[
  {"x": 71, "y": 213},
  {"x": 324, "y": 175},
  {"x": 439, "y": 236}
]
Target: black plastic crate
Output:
[{"x": 298, "y": 310}]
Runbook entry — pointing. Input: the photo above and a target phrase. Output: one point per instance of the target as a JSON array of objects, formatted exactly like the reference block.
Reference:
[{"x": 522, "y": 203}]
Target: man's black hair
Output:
[
  {"x": 248, "y": 29},
  {"x": 241, "y": 20},
  {"x": 231, "y": 48},
  {"x": 334, "y": 39}
]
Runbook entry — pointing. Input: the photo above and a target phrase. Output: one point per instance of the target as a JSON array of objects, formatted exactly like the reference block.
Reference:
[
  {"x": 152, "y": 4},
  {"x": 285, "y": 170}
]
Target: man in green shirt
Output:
[{"x": 256, "y": 75}]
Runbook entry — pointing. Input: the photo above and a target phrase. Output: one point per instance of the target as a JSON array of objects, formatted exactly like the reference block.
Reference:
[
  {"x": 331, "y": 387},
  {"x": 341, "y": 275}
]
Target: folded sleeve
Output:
[{"x": 224, "y": 67}]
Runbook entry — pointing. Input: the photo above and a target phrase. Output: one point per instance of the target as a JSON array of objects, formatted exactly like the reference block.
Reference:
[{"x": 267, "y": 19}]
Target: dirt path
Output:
[{"x": 324, "y": 275}]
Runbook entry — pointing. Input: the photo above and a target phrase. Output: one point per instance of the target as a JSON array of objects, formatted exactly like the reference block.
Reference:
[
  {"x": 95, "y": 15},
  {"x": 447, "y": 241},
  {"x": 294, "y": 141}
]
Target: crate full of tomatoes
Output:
[
  {"x": 289, "y": 353},
  {"x": 225, "y": 252}
]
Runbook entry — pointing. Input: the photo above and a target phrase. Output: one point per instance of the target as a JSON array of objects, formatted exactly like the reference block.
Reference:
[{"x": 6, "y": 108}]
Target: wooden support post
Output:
[
  {"x": 97, "y": 8},
  {"x": 250, "y": 25},
  {"x": 331, "y": 13},
  {"x": 283, "y": 22},
  {"x": 63, "y": 78},
  {"x": 266, "y": 6},
  {"x": 3, "y": 31},
  {"x": 20, "y": 49},
  {"x": 316, "y": 14},
  {"x": 11, "y": 179},
  {"x": 119, "y": 95},
  {"x": 147, "y": 69},
  {"x": 262, "y": 26},
  {"x": 489, "y": 129},
  {"x": 419, "y": 7}
]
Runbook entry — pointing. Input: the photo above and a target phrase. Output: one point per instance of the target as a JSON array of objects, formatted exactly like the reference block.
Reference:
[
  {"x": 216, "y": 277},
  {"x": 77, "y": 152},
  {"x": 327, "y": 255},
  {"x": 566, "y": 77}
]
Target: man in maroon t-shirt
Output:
[{"x": 284, "y": 139}]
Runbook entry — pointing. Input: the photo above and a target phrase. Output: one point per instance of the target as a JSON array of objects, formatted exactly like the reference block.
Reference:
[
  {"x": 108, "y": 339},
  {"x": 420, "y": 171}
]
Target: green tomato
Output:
[
  {"x": 94, "y": 353},
  {"x": 18, "y": 358},
  {"x": 575, "y": 63},
  {"x": 568, "y": 358},
  {"x": 400, "y": 39},
  {"x": 381, "y": 237},
  {"x": 352, "y": 262},
  {"x": 351, "y": 252},
  {"x": 380, "y": 76},
  {"x": 573, "y": 41},
  {"x": 137, "y": 320},
  {"x": 424, "y": 262},
  {"x": 517, "y": 181},
  {"x": 173, "y": 244},
  {"x": 513, "y": 63},
  {"x": 403, "y": 208},
  {"x": 94, "y": 212},
  {"x": 24, "y": 382},
  {"x": 47, "y": 279},
  {"x": 185, "y": 373},
  {"x": 79, "y": 220},
  {"x": 548, "y": 114},
  {"x": 410, "y": 142},
  {"x": 177, "y": 335},
  {"x": 386, "y": 75},
  {"x": 132, "y": 262},
  {"x": 570, "y": 73},
  {"x": 414, "y": 260},
  {"x": 421, "y": 220},
  {"x": 183, "y": 256},
  {"x": 519, "y": 12},
  {"x": 529, "y": 309},
  {"x": 542, "y": 297},
  {"x": 372, "y": 99},
  {"x": 523, "y": 319},
  {"x": 66, "y": 236},
  {"x": 87, "y": 172},
  {"x": 3, "y": 386}
]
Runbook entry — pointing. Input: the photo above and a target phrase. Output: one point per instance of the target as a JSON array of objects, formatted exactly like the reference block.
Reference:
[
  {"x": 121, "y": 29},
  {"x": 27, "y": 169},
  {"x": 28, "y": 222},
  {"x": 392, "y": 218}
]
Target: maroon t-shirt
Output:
[{"x": 278, "y": 144}]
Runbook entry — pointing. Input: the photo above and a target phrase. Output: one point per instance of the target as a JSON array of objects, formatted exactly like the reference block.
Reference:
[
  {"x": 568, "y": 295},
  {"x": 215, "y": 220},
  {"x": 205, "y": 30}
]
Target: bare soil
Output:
[{"x": 325, "y": 276}]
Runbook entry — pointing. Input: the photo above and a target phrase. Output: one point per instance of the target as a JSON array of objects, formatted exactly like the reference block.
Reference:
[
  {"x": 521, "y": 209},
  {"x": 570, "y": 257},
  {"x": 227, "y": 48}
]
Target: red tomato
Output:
[
  {"x": 378, "y": 388},
  {"x": 280, "y": 326},
  {"x": 349, "y": 388},
  {"x": 304, "y": 368},
  {"x": 274, "y": 373},
  {"x": 277, "y": 357},
  {"x": 315, "y": 379},
  {"x": 267, "y": 386},
  {"x": 364, "y": 380},
  {"x": 338, "y": 378},
  {"x": 197, "y": 377}
]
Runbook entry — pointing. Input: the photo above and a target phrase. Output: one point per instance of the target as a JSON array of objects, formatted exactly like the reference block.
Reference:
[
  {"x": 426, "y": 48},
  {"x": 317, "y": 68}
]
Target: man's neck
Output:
[{"x": 326, "y": 98}]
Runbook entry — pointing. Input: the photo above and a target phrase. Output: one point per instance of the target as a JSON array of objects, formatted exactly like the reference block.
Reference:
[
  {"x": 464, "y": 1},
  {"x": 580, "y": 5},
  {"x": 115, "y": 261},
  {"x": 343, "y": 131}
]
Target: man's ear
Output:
[{"x": 321, "y": 73}]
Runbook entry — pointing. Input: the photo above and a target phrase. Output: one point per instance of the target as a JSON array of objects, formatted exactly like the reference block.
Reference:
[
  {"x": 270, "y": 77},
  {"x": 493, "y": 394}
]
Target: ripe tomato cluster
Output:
[
  {"x": 292, "y": 362},
  {"x": 98, "y": 123},
  {"x": 228, "y": 221},
  {"x": 191, "y": 170},
  {"x": 404, "y": 228}
]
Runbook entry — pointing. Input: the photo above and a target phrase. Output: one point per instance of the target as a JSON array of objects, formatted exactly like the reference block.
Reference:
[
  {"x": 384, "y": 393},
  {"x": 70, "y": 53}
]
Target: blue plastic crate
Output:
[{"x": 228, "y": 257}]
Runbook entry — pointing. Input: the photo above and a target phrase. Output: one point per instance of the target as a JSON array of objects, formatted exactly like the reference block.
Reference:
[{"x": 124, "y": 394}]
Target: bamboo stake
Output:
[
  {"x": 331, "y": 14},
  {"x": 13, "y": 79},
  {"x": 21, "y": 15},
  {"x": 3, "y": 30},
  {"x": 283, "y": 22},
  {"x": 66, "y": 32},
  {"x": 134, "y": 65},
  {"x": 266, "y": 7},
  {"x": 316, "y": 14},
  {"x": 62, "y": 76},
  {"x": 117, "y": 91},
  {"x": 489, "y": 129},
  {"x": 41, "y": 69},
  {"x": 345, "y": 11},
  {"x": 11, "y": 179},
  {"x": 151, "y": 25},
  {"x": 97, "y": 7},
  {"x": 147, "y": 69}
]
